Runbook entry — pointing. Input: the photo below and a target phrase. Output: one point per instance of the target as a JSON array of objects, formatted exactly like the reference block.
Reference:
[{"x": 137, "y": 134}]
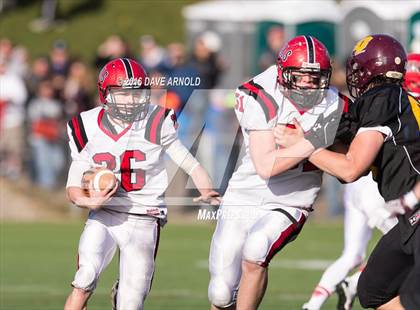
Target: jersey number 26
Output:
[{"x": 132, "y": 179}]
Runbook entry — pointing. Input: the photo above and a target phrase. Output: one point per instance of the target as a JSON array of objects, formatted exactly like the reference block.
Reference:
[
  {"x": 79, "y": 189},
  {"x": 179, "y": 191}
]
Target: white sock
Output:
[{"x": 318, "y": 298}]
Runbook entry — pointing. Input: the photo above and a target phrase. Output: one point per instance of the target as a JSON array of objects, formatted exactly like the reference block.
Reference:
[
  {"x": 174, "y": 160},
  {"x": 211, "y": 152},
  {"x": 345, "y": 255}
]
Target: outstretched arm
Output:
[
  {"x": 183, "y": 158},
  {"x": 352, "y": 165},
  {"x": 204, "y": 185},
  {"x": 347, "y": 165}
]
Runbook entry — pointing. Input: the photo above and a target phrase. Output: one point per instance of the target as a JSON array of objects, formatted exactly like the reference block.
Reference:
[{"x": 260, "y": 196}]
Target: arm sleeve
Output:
[
  {"x": 250, "y": 113},
  {"x": 79, "y": 164},
  {"x": 181, "y": 156},
  {"x": 379, "y": 110},
  {"x": 385, "y": 130},
  {"x": 379, "y": 113}
]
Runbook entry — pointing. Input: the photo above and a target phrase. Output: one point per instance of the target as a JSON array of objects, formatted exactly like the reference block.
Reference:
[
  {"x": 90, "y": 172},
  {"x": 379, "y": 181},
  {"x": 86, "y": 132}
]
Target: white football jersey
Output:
[
  {"x": 135, "y": 155},
  {"x": 260, "y": 105}
]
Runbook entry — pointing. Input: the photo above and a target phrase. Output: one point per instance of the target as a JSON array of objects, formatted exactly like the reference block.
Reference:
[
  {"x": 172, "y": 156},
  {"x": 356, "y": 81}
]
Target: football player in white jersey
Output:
[
  {"x": 364, "y": 210},
  {"x": 129, "y": 136},
  {"x": 386, "y": 140},
  {"x": 271, "y": 193}
]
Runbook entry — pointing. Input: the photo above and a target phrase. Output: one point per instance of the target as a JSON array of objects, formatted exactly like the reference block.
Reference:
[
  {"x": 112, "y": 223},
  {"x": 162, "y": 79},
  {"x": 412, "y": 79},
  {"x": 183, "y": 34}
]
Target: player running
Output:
[
  {"x": 270, "y": 195},
  {"x": 130, "y": 136},
  {"x": 388, "y": 139}
]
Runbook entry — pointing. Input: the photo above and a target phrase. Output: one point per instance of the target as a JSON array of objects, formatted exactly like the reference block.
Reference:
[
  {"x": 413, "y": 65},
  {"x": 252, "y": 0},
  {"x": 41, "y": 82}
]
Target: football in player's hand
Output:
[{"x": 98, "y": 179}]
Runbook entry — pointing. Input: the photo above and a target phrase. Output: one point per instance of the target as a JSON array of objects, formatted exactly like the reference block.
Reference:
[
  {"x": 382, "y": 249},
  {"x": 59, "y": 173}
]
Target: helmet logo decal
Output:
[
  {"x": 103, "y": 76},
  {"x": 286, "y": 55},
  {"x": 360, "y": 46}
]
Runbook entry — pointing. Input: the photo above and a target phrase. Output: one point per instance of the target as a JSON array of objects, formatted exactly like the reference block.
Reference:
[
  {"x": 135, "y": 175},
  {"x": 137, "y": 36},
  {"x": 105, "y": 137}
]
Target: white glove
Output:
[{"x": 403, "y": 204}]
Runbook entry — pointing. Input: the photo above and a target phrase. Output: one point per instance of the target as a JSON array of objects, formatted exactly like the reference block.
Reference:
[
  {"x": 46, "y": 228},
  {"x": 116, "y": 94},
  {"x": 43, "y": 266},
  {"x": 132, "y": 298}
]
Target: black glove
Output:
[{"x": 347, "y": 129}]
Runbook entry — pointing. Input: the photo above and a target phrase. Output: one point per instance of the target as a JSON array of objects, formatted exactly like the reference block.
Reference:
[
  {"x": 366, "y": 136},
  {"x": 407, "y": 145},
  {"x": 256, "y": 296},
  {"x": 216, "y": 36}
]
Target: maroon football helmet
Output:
[
  {"x": 304, "y": 57},
  {"x": 122, "y": 89},
  {"x": 373, "y": 57}
]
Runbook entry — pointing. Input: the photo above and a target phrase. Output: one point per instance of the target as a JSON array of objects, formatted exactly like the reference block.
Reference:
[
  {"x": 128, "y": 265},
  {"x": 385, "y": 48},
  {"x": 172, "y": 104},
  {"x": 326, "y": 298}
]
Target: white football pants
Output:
[
  {"x": 136, "y": 237},
  {"x": 249, "y": 234}
]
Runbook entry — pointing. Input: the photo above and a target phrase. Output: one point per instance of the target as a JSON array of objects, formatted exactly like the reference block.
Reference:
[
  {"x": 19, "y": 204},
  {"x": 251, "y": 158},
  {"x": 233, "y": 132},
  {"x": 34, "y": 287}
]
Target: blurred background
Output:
[{"x": 50, "y": 54}]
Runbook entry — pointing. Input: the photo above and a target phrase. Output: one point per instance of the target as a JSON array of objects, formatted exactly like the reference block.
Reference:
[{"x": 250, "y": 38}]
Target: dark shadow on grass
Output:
[
  {"x": 81, "y": 7},
  {"x": 13, "y": 5}
]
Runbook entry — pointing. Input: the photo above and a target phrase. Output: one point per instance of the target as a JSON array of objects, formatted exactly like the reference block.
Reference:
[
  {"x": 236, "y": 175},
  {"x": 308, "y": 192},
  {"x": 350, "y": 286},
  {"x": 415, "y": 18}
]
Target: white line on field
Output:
[
  {"x": 155, "y": 293},
  {"x": 297, "y": 264},
  {"x": 167, "y": 293},
  {"x": 36, "y": 288}
]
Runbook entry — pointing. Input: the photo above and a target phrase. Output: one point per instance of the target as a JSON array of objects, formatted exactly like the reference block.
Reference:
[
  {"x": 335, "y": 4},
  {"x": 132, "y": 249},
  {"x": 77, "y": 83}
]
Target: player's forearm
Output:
[
  {"x": 202, "y": 180},
  {"x": 282, "y": 164},
  {"x": 339, "y": 165},
  {"x": 77, "y": 196},
  {"x": 181, "y": 156},
  {"x": 281, "y": 160}
]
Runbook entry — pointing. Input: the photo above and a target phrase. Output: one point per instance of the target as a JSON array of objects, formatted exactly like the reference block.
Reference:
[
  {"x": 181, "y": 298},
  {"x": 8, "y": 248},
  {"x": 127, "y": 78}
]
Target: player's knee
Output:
[
  {"x": 253, "y": 267},
  {"x": 256, "y": 247},
  {"x": 85, "y": 278},
  {"x": 220, "y": 294}
]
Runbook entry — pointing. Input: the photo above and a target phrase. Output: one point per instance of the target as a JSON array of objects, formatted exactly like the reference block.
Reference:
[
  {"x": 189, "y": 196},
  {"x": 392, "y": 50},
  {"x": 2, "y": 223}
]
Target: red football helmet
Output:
[
  {"x": 412, "y": 76},
  {"x": 123, "y": 90},
  {"x": 304, "y": 57},
  {"x": 377, "y": 56}
]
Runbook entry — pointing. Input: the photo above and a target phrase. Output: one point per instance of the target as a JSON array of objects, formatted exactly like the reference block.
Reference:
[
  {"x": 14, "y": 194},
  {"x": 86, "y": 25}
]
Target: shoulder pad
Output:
[
  {"x": 154, "y": 124},
  {"x": 266, "y": 101},
  {"x": 78, "y": 132}
]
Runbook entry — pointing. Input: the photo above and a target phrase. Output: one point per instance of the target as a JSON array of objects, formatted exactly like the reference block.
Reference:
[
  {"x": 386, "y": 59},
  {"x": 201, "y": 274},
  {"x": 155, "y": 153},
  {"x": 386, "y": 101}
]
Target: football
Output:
[{"x": 98, "y": 179}]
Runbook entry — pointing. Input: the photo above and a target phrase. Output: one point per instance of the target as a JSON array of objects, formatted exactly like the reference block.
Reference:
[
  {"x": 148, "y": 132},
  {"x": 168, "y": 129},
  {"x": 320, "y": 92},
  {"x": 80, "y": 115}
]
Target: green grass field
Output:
[{"x": 38, "y": 263}]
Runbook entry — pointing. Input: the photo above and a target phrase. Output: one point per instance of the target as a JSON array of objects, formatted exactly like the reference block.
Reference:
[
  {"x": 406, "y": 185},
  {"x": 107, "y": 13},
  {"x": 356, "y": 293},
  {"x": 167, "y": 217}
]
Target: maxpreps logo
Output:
[{"x": 130, "y": 82}]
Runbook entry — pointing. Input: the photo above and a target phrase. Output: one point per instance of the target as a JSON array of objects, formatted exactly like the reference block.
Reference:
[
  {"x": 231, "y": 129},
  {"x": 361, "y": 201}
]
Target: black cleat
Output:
[
  {"x": 345, "y": 296},
  {"x": 114, "y": 293}
]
